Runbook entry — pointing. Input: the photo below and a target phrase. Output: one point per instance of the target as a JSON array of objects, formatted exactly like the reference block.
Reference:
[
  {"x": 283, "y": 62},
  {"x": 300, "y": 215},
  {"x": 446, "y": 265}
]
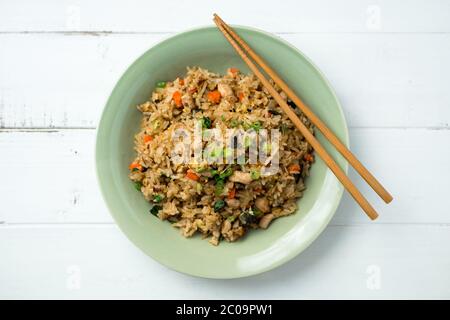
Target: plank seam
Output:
[
  {"x": 4, "y": 224},
  {"x": 57, "y": 129},
  {"x": 110, "y": 32}
]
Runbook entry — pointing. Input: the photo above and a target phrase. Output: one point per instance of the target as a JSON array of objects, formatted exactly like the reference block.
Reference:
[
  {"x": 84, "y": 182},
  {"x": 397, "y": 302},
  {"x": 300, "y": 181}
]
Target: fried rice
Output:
[{"x": 217, "y": 200}]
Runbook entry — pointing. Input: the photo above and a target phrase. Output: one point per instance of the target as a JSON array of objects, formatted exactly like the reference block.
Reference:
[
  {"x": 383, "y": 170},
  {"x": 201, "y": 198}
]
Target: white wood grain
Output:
[
  {"x": 49, "y": 176},
  {"x": 289, "y": 15},
  {"x": 48, "y": 262},
  {"x": 57, "y": 170},
  {"x": 62, "y": 81},
  {"x": 393, "y": 80},
  {"x": 388, "y": 61},
  {"x": 413, "y": 164}
]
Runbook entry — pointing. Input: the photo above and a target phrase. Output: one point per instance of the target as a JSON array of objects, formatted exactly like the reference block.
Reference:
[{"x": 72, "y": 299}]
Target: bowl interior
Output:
[{"x": 259, "y": 250}]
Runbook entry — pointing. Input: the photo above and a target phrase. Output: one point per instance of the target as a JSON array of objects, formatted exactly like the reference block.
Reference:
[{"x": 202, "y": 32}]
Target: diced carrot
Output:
[
  {"x": 294, "y": 168},
  {"x": 214, "y": 96},
  {"x": 147, "y": 138},
  {"x": 232, "y": 193},
  {"x": 176, "y": 96},
  {"x": 241, "y": 96},
  {"x": 135, "y": 165},
  {"x": 234, "y": 71},
  {"x": 181, "y": 82},
  {"x": 192, "y": 175},
  {"x": 309, "y": 157}
]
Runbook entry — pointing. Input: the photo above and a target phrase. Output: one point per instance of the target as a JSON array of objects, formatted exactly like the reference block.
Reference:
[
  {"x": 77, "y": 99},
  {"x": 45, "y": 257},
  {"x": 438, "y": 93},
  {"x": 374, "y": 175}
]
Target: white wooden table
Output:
[{"x": 389, "y": 63}]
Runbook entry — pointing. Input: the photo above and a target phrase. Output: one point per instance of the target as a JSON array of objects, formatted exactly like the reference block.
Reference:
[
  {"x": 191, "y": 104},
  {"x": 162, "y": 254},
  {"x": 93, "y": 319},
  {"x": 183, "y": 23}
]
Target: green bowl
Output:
[{"x": 259, "y": 250}]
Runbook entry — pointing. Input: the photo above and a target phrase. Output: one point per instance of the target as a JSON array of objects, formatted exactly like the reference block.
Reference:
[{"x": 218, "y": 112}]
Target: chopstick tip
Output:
[{"x": 388, "y": 199}]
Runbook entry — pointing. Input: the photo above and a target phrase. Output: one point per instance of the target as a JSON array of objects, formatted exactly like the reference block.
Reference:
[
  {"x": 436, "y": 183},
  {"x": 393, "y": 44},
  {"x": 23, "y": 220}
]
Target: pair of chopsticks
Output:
[{"x": 243, "y": 49}]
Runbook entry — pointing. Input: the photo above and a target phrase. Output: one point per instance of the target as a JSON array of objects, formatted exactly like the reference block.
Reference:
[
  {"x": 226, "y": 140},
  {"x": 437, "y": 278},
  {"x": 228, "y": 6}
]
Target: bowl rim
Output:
[{"x": 294, "y": 251}]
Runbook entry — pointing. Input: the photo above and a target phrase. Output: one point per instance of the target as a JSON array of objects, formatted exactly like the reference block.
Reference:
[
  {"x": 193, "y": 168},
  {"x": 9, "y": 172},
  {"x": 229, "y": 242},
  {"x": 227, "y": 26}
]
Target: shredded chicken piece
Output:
[
  {"x": 241, "y": 177},
  {"x": 265, "y": 221},
  {"x": 262, "y": 204},
  {"x": 233, "y": 203},
  {"x": 226, "y": 226},
  {"x": 225, "y": 90}
]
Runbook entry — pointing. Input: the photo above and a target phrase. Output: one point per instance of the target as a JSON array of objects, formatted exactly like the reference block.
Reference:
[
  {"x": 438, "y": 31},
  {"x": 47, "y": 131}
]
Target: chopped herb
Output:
[
  {"x": 161, "y": 84},
  {"x": 135, "y": 169},
  {"x": 256, "y": 126},
  {"x": 206, "y": 123},
  {"x": 245, "y": 125},
  {"x": 219, "y": 187},
  {"x": 157, "y": 198},
  {"x": 154, "y": 210},
  {"x": 220, "y": 178},
  {"x": 234, "y": 123},
  {"x": 216, "y": 152},
  {"x": 257, "y": 212},
  {"x": 227, "y": 152},
  {"x": 231, "y": 218},
  {"x": 284, "y": 128},
  {"x": 226, "y": 173},
  {"x": 222, "y": 118},
  {"x": 138, "y": 185},
  {"x": 201, "y": 170},
  {"x": 255, "y": 174},
  {"x": 218, "y": 205}
]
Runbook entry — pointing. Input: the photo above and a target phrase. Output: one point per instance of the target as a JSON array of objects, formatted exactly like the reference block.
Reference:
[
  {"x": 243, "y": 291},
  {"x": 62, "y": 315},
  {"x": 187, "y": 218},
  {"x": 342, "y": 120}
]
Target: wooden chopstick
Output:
[
  {"x": 334, "y": 167},
  {"x": 335, "y": 141}
]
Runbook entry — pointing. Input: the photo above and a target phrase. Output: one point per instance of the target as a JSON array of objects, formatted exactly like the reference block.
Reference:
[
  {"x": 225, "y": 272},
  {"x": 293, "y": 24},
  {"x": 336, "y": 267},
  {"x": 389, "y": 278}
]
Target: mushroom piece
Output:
[
  {"x": 265, "y": 221},
  {"x": 233, "y": 203},
  {"x": 247, "y": 218},
  {"x": 241, "y": 177},
  {"x": 262, "y": 204}
]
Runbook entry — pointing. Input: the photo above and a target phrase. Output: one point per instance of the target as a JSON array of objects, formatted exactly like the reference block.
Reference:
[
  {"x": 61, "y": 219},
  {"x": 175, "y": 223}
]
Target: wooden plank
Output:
[
  {"x": 157, "y": 16},
  {"x": 49, "y": 176},
  {"x": 393, "y": 80},
  {"x": 385, "y": 80},
  {"x": 66, "y": 80},
  {"x": 412, "y": 164},
  {"x": 359, "y": 262}
]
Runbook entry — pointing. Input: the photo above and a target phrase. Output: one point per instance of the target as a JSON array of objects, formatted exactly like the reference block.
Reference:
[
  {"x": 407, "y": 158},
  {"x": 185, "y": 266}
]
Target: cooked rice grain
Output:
[{"x": 189, "y": 204}]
